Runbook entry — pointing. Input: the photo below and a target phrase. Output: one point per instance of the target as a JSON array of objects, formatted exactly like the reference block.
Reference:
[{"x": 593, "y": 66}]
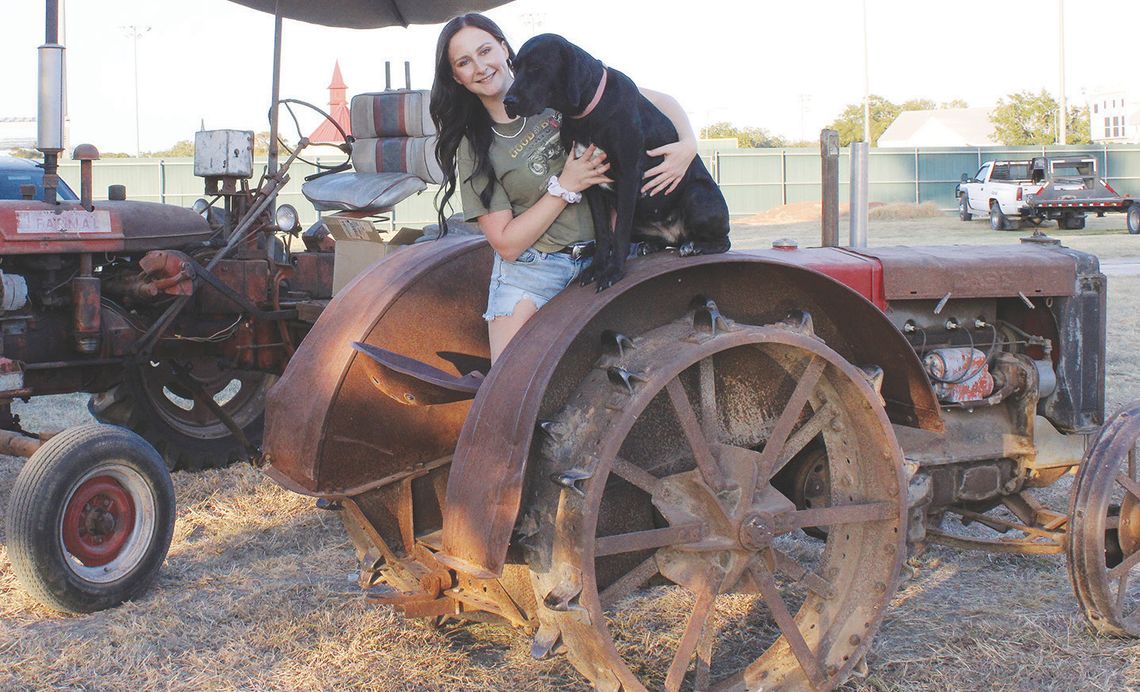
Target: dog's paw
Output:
[
  {"x": 609, "y": 277},
  {"x": 688, "y": 249},
  {"x": 588, "y": 275}
]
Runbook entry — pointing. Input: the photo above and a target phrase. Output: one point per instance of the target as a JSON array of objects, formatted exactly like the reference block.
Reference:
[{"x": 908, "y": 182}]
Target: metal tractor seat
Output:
[{"x": 393, "y": 156}]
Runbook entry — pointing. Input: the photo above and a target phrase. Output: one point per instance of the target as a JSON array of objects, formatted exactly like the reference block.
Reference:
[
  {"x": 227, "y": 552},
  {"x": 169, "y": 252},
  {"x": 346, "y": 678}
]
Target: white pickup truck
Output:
[{"x": 1061, "y": 189}]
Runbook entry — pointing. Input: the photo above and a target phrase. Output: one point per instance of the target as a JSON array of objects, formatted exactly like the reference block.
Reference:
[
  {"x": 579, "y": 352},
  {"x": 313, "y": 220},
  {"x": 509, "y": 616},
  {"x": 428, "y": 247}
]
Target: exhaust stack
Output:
[{"x": 49, "y": 118}]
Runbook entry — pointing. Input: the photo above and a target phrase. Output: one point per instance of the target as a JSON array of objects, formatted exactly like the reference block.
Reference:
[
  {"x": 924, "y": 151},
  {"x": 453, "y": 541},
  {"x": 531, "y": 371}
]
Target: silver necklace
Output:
[{"x": 521, "y": 128}]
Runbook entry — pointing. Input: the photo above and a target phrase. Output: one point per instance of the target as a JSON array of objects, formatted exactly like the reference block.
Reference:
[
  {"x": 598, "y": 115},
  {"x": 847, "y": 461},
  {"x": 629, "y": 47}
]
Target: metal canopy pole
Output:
[{"x": 276, "y": 95}]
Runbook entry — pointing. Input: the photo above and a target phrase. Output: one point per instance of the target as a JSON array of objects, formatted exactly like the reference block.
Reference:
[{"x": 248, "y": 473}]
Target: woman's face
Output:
[{"x": 479, "y": 62}]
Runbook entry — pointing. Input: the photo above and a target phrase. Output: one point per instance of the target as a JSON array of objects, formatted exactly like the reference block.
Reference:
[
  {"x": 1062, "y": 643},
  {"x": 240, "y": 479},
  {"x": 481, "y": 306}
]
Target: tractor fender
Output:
[
  {"x": 557, "y": 348},
  {"x": 328, "y": 431}
]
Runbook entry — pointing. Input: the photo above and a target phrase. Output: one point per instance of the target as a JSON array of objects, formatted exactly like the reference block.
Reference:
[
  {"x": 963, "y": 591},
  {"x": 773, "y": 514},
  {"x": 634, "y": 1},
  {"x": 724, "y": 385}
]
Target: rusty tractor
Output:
[{"x": 742, "y": 446}]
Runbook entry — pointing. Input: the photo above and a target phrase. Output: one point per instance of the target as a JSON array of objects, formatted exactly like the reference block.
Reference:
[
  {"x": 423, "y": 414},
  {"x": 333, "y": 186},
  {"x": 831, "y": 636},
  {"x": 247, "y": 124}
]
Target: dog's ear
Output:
[{"x": 571, "y": 75}]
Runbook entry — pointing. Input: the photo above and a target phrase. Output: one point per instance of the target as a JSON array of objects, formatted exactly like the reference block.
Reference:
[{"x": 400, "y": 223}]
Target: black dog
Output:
[{"x": 603, "y": 106}]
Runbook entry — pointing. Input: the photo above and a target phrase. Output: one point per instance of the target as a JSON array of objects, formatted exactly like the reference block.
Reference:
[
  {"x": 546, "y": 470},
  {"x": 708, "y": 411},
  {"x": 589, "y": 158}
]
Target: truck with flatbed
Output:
[{"x": 1064, "y": 190}]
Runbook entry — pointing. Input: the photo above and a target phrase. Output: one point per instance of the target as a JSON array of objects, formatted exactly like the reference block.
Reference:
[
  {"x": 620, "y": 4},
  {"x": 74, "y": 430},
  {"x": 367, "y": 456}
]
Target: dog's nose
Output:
[{"x": 510, "y": 100}]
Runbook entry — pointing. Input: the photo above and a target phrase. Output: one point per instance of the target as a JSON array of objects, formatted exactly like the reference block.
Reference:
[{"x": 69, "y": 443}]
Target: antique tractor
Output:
[{"x": 732, "y": 454}]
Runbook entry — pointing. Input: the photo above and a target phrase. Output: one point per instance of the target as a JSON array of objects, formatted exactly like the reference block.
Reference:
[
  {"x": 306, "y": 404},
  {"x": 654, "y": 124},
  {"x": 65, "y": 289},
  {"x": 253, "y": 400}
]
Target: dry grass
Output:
[{"x": 259, "y": 591}]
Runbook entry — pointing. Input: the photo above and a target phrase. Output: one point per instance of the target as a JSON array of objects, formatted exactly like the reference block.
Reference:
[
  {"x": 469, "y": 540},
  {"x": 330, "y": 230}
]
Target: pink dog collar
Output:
[{"x": 597, "y": 96}]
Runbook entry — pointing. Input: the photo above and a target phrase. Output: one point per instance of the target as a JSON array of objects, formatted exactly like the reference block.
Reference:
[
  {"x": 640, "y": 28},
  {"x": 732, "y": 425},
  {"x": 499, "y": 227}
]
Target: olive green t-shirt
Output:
[{"x": 522, "y": 165}]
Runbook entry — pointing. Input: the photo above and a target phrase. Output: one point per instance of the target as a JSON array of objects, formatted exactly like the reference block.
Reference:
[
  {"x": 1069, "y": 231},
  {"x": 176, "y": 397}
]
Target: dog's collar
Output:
[{"x": 597, "y": 96}]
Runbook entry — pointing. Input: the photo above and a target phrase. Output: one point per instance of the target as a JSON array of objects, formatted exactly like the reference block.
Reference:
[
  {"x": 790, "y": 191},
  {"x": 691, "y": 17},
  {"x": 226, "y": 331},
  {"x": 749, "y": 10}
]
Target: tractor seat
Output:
[{"x": 393, "y": 156}]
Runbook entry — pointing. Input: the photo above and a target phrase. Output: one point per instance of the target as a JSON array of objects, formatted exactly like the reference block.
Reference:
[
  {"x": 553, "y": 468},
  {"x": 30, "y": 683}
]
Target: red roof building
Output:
[{"x": 338, "y": 109}]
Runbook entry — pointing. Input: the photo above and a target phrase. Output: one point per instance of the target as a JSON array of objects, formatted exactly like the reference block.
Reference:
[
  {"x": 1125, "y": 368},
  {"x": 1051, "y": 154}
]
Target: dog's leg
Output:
[
  {"x": 600, "y": 207},
  {"x": 705, "y": 216}
]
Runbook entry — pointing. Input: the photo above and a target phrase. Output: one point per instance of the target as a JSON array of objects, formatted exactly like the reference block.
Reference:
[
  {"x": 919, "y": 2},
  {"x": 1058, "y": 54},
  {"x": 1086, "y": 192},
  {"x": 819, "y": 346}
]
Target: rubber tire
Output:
[
  {"x": 964, "y": 208},
  {"x": 998, "y": 220},
  {"x": 1133, "y": 218},
  {"x": 129, "y": 405},
  {"x": 39, "y": 500},
  {"x": 1071, "y": 222}
]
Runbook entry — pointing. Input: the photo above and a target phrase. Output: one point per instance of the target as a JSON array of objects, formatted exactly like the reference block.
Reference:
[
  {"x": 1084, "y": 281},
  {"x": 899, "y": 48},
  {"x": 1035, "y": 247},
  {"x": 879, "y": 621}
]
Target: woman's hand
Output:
[
  {"x": 667, "y": 175},
  {"x": 584, "y": 171}
]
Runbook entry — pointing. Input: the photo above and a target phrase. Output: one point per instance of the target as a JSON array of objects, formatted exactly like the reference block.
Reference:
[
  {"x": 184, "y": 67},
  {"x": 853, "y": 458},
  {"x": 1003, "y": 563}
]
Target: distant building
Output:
[
  {"x": 1114, "y": 115},
  {"x": 943, "y": 127},
  {"x": 338, "y": 109}
]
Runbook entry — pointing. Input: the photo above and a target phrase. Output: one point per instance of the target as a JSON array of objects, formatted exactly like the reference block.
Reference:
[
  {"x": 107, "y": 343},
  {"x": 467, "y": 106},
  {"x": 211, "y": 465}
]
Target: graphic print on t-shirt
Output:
[{"x": 540, "y": 145}]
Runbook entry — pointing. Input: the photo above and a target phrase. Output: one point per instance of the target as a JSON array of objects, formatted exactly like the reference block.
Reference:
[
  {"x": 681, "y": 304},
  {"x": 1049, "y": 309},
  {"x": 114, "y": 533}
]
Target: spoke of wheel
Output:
[
  {"x": 806, "y": 433},
  {"x": 838, "y": 514},
  {"x": 1122, "y": 594},
  {"x": 687, "y": 417},
  {"x": 709, "y": 421},
  {"x": 787, "y": 566},
  {"x": 1122, "y": 570},
  {"x": 788, "y": 417},
  {"x": 637, "y": 476},
  {"x": 698, "y": 619},
  {"x": 1126, "y": 482},
  {"x": 629, "y": 582},
  {"x": 648, "y": 540},
  {"x": 796, "y": 642}
]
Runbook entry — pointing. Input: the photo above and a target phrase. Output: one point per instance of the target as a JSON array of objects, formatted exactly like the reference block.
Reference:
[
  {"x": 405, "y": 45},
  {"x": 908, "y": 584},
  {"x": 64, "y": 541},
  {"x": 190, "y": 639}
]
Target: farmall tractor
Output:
[{"x": 707, "y": 476}]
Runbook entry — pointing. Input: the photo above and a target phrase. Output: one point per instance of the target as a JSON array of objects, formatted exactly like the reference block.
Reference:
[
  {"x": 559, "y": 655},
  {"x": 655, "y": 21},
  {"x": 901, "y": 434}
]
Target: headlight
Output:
[
  {"x": 287, "y": 218},
  {"x": 200, "y": 206}
]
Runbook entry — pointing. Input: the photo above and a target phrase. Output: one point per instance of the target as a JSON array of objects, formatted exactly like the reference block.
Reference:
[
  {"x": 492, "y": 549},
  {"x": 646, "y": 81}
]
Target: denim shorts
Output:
[{"x": 536, "y": 275}]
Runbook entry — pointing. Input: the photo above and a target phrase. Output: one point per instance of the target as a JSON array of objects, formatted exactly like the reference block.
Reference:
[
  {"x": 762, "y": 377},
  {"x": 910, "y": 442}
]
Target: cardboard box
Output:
[{"x": 359, "y": 245}]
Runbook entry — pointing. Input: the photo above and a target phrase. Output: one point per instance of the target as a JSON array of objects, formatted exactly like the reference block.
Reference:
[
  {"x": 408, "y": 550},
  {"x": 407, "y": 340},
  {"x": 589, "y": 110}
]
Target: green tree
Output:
[
  {"x": 181, "y": 148},
  {"x": 1026, "y": 118},
  {"x": 954, "y": 103},
  {"x": 917, "y": 105},
  {"x": 849, "y": 124},
  {"x": 1078, "y": 126},
  {"x": 747, "y": 137}
]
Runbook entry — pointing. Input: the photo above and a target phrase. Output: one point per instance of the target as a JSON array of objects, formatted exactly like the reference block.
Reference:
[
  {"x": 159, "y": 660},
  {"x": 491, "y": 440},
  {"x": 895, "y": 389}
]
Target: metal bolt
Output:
[{"x": 855, "y": 640}]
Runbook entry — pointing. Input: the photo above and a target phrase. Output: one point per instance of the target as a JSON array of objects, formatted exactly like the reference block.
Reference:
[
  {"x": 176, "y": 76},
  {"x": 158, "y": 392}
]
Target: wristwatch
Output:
[{"x": 557, "y": 190}]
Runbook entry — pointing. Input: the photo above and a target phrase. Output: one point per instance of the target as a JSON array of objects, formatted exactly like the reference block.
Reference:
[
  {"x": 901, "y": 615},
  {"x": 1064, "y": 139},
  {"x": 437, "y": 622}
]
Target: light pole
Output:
[
  {"x": 134, "y": 33},
  {"x": 866, "y": 83},
  {"x": 1064, "y": 116}
]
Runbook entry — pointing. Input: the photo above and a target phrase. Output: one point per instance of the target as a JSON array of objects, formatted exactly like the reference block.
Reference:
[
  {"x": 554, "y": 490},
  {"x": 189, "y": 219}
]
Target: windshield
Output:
[{"x": 11, "y": 180}]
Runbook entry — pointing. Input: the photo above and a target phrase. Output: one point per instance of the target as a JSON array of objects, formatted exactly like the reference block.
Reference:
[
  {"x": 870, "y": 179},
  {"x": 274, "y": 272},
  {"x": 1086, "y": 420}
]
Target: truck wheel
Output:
[
  {"x": 1133, "y": 218},
  {"x": 1071, "y": 222},
  {"x": 964, "y": 208},
  {"x": 90, "y": 519},
  {"x": 1104, "y": 543},
  {"x": 154, "y": 401},
  {"x": 998, "y": 220},
  {"x": 660, "y": 470}
]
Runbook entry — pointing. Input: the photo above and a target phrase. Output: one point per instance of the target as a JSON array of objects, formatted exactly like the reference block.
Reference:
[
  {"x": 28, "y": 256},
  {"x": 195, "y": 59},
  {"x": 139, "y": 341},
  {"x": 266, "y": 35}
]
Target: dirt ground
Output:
[{"x": 258, "y": 591}]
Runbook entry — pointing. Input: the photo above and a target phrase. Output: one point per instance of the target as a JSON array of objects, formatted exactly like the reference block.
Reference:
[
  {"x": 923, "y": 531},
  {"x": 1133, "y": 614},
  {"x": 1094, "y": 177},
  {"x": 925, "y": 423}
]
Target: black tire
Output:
[
  {"x": 964, "y": 208},
  {"x": 1133, "y": 218},
  {"x": 187, "y": 434},
  {"x": 998, "y": 220},
  {"x": 90, "y": 519},
  {"x": 1071, "y": 222}
]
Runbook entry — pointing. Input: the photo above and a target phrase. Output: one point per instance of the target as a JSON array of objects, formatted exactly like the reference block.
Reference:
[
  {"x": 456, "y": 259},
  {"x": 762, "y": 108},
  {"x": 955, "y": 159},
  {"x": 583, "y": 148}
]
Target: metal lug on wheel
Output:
[
  {"x": 572, "y": 479},
  {"x": 545, "y": 641},
  {"x": 564, "y": 599},
  {"x": 874, "y": 375},
  {"x": 325, "y": 503},
  {"x": 706, "y": 315},
  {"x": 623, "y": 377},
  {"x": 798, "y": 321},
  {"x": 615, "y": 343},
  {"x": 551, "y": 429}
]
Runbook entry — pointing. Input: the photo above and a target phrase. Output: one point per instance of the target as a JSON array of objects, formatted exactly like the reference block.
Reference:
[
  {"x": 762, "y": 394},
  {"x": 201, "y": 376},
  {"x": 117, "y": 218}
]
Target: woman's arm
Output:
[
  {"x": 509, "y": 235},
  {"x": 666, "y": 176}
]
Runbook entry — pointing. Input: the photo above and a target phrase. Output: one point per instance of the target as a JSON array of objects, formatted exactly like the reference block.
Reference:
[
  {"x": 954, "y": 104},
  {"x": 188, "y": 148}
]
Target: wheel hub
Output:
[
  {"x": 99, "y": 518},
  {"x": 1129, "y": 532},
  {"x": 757, "y": 531}
]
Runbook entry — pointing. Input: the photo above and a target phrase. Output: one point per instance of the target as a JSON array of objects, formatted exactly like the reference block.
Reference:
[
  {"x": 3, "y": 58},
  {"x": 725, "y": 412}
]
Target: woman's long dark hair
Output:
[{"x": 458, "y": 113}]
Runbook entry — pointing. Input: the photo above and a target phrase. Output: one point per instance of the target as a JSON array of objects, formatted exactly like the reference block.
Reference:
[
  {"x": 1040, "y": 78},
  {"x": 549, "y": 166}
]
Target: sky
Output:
[{"x": 789, "y": 66}]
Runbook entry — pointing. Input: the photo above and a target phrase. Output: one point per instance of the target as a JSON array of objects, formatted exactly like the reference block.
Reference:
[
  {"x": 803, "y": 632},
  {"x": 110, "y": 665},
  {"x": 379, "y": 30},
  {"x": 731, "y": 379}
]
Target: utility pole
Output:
[
  {"x": 1063, "y": 116},
  {"x": 866, "y": 83},
  {"x": 134, "y": 33}
]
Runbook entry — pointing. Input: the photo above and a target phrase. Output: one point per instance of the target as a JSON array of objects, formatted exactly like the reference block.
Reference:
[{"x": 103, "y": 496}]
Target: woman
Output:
[{"x": 515, "y": 178}]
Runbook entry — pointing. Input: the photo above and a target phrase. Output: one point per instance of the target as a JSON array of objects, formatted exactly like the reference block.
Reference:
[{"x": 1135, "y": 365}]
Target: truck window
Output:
[
  {"x": 1001, "y": 172},
  {"x": 981, "y": 174},
  {"x": 1018, "y": 171}
]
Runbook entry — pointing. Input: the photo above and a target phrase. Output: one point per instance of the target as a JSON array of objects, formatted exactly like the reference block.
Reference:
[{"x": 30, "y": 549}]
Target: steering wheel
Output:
[{"x": 345, "y": 146}]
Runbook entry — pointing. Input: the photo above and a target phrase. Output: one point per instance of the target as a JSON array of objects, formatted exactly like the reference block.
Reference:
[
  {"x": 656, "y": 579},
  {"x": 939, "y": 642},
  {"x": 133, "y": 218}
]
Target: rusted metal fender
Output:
[
  {"x": 556, "y": 349},
  {"x": 329, "y": 431}
]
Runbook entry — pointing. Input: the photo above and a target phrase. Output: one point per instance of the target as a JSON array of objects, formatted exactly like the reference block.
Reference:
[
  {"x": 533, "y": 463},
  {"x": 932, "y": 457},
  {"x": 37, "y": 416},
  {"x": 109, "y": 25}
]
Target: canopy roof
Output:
[{"x": 371, "y": 14}]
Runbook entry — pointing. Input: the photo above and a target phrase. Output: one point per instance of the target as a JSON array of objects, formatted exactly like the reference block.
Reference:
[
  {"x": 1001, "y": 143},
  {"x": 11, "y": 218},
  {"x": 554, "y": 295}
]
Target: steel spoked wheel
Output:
[
  {"x": 91, "y": 518},
  {"x": 172, "y": 405},
  {"x": 1104, "y": 548},
  {"x": 674, "y": 562}
]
